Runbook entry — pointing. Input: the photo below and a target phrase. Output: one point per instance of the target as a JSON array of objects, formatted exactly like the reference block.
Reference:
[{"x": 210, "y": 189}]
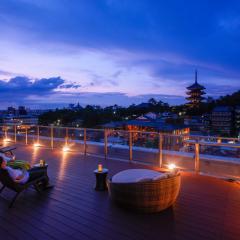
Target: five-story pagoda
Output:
[{"x": 195, "y": 94}]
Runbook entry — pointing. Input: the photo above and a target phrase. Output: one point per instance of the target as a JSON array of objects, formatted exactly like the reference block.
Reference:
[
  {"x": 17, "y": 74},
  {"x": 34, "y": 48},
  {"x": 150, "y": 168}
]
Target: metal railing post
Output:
[
  {"x": 51, "y": 137},
  {"x": 197, "y": 160},
  {"x": 160, "y": 149},
  {"x": 105, "y": 143},
  {"x": 26, "y": 136},
  {"x": 15, "y": 133},
  {"x": 37, "y": 134},
  {"x": 5, "y": 132},
  {"x": 66, "y": 137},
  {"x": 130, "y": 146},
  {"x": 85, "y": 141}
]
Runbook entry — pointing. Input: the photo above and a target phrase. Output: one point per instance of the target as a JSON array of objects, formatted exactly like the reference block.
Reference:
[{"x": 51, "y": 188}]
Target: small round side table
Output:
[{"x": 101, "y": 179}]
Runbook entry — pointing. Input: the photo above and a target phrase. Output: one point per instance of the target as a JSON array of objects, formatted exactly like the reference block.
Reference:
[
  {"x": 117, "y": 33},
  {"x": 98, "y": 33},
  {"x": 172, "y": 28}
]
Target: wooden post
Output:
[
  {"x": 160, "y": 149},
  {"x": 51, "y": 136},
  {"x": 15, "y": 133},
  {"x": 130, "y": 146},
  {"x": 85, "y": 141},
  {"x": 197, "y": 160},
  {"x": 105, "y": 143}
]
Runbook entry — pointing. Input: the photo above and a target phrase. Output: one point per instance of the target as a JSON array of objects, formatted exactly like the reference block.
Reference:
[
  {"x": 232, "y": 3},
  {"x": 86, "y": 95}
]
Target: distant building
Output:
[
  {"x": 195, "y": 93},
  {"x": 237, "y": 120},
  {"x": 155, "y": 126},
  {"x": 207, "y": 122},
  {"x": 148, "y": 116},
  {"x": 195, "y": 123},
  {"x": 222, "y": 119},
  {"x": 21, "y": 120},
  {"x": 22, "y": 110},
  {"x": 11, "y": 110}
]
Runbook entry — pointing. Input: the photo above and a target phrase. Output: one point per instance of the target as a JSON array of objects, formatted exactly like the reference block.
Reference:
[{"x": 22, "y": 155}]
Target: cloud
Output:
[
  {"x": 54, "y": 92},
  {"x": 70, "y": 85},
  {"x": 94, "y": 98},
  {"x": 5, "y": 73},
  {"x": 130, "y": 47},
  {"x": 21, "y": 85}
]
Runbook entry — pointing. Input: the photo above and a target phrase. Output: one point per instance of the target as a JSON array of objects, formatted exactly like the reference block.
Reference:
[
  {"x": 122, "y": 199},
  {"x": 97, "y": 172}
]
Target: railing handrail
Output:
[
  {"x": 126, "y": 131},
  {"x": 129, "y": 140}
]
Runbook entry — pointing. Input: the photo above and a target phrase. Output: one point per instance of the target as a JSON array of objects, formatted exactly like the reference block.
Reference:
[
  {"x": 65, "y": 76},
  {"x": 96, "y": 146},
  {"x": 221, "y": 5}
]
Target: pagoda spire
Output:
[{"x": 196, "y": 75}]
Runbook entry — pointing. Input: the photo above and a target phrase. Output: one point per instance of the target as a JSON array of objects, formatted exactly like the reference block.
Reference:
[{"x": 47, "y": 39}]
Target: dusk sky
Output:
[{"x": 56, "y": 52}]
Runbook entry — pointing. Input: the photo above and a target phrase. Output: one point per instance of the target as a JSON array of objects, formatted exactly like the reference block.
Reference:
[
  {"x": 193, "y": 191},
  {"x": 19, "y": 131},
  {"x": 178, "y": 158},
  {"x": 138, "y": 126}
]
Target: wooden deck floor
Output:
[{"x": 207, "y": 208}]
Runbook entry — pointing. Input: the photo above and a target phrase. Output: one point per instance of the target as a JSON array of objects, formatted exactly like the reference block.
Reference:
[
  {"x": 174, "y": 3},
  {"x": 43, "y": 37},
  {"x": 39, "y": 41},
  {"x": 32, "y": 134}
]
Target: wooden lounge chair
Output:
[
  {"x": 8, "y": 149},
  {"x": 7, "y": 181}
]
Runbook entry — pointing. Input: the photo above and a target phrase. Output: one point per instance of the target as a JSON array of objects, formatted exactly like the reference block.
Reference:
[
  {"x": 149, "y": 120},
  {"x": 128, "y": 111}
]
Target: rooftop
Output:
[
  {"x": 222, "y": 109},
  {"x": 161, "y": 126},
  {"x": 207, "y": 207}
]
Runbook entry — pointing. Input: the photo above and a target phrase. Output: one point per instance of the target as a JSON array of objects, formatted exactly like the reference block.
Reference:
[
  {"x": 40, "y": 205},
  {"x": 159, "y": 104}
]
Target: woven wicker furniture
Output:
[{"x": 149, "y": 196}]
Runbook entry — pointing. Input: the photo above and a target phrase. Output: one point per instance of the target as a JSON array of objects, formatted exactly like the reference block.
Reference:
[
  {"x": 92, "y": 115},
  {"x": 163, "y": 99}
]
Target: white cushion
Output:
[
  {"x": 135, "y": 175},
  {"x": 162, "y": 176},
  {"x": 145, "y": 179}
]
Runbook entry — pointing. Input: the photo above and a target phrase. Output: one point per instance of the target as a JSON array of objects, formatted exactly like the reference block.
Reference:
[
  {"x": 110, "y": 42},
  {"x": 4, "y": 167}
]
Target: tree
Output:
[{"x": 152, "y": 101}]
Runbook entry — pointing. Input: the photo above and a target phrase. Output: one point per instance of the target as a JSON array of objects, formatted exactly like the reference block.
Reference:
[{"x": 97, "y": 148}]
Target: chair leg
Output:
[
  {"x": 2, "y": 188},
  {"x": 36, "y": 188},
  {"x": 13, "y": 200}
]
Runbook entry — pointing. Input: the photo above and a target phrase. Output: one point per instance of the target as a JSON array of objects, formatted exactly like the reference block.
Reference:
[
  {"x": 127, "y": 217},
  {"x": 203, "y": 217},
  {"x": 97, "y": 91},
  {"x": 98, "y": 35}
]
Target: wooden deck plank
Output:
[{"x": 207, "y": 208}]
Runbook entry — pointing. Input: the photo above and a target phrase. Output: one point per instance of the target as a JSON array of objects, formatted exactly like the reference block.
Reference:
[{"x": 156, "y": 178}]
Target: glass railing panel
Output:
[
  {"x": 118, "y": 144},
  {"x": 95, "y": 141},
  {"x": 145, "y": 147}
]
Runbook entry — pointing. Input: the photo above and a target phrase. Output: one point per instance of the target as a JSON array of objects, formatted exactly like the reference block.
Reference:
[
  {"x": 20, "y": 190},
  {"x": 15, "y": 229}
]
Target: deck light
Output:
[
  {"x": 36, "y": 145},
  {"x": 66, "y": 149},
  {"x": 171, "y": 166},
  {"x": 7, "y": 140}
]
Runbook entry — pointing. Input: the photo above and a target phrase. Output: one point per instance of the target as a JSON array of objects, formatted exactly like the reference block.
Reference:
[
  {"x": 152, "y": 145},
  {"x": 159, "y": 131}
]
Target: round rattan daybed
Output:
[{"x": 146, "y": 196}]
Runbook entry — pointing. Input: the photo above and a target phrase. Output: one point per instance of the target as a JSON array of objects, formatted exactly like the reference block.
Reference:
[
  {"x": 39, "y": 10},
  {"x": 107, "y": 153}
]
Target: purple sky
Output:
[{"x": 106, "y": 52}]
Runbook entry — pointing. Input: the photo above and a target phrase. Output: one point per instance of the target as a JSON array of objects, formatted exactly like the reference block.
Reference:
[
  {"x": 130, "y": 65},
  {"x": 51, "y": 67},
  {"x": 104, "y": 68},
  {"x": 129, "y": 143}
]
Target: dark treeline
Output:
[{"x": 93, "y": 116}]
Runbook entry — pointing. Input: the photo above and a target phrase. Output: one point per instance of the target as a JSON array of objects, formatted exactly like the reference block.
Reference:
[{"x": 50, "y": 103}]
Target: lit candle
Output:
[
  {"x": 100, "y": 168},
  {"x": 42, "y": 163}
]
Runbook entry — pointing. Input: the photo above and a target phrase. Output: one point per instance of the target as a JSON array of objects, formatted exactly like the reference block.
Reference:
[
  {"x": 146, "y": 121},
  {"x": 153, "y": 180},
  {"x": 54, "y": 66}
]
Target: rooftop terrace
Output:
[{"x": 207, "y": 207}]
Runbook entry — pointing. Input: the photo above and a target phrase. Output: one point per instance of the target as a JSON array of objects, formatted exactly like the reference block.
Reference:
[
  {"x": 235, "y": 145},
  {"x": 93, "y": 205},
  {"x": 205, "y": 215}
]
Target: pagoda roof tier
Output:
[
  {"x": 199, "y": 92},
  {"x": 197, "y": 99},
  {"x": 196, "y": 86}
]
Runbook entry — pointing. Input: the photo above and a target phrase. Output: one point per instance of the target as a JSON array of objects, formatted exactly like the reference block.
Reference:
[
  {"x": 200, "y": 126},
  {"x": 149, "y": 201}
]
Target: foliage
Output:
[{"x": 94, "y": 116}]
